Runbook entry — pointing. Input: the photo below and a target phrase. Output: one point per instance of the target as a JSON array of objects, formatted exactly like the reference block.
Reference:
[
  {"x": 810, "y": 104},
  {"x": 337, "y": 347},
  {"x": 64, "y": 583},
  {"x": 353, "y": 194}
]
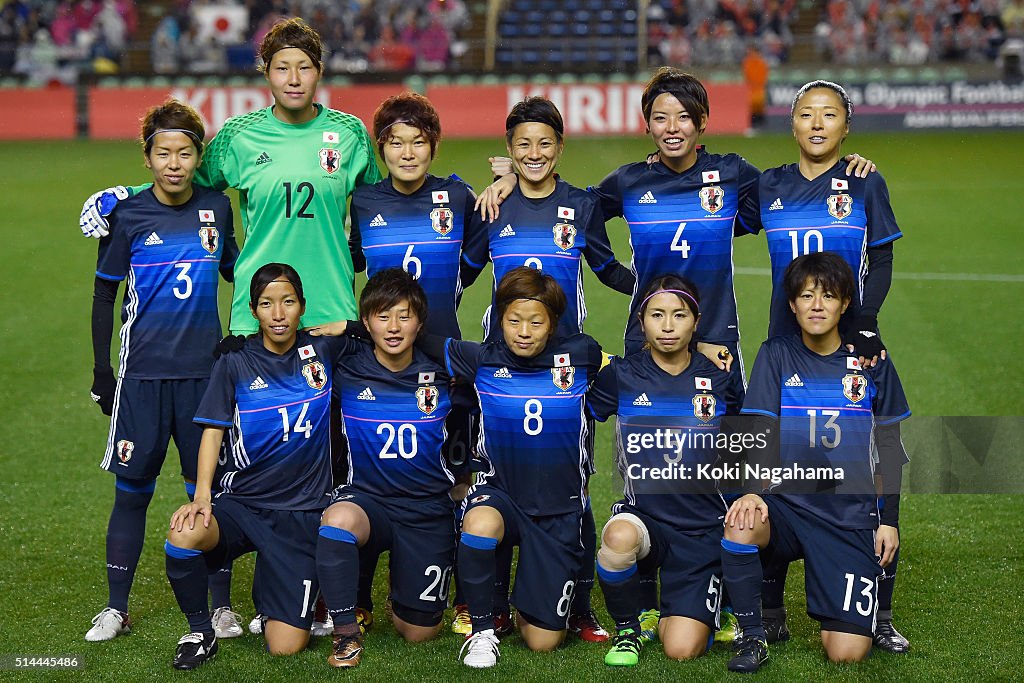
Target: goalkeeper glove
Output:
[
  {"x": 229, "y": 344},
  {"x": 93, "y": 222},
  {"x": 864, "y": 337},
  {"x": 103, "y": 386}
]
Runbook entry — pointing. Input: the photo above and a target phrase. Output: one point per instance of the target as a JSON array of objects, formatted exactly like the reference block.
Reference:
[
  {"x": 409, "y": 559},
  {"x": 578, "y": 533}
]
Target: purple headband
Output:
[
  {"x": 696, "y": 306},
  {"x": 191, "y": 134}
]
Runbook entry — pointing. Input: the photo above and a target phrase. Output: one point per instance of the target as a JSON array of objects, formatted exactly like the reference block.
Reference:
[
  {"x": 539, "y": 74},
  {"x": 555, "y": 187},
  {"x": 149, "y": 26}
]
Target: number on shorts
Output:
[
  {"x": 564, "y": 602},
  {"x": 184, "y": 280},
  {"x": 714, "y": 594},
  {"x": 533, "y": 423},
  {"x": 300, "y": 428},
  {"x": 307, "y": 588},
  {"x": 440, "y": 584},
  {"x": 404, "y": 437},
  {"x": 868, "y": 592}
]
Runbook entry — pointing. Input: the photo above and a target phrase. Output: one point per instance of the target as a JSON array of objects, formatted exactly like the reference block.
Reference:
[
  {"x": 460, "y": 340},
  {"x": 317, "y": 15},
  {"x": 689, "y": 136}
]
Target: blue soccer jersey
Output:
[
  {"x": 394, "y": 425},
  {"x": 833, "y": 212},
  {"x": 827, "y": 408},
  {"x": 682, "y": 224},
  {"x": 276, "y": 409},
  {"x": 668, "y": 435},
  {"x": 551, "y": 234},
  {"x": 533, "y": 428},
  {"x": 423, "y": 233},
  {"x": 170, "y": 257}
]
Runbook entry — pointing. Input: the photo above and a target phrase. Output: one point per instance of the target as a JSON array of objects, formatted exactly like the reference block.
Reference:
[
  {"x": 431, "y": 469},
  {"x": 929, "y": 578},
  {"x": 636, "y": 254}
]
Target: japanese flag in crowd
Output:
[{"x": 225, "y": 23}]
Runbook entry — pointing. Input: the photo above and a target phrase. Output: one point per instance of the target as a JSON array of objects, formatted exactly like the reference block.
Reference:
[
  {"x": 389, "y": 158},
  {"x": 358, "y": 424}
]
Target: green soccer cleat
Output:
[
  {"x": 729, "y": 630},
  {"x": 649, "y": 620},
  {"x": 625, "y": 649}
]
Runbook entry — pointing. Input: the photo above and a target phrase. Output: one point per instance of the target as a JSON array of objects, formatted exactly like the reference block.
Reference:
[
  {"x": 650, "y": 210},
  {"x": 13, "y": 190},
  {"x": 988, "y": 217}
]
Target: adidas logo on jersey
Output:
[
  {"x": 794, "y": 381},
  {"x": 647, "y": 198},
  {"x": 507, "y": 231},
  {"x": 258, "y": 383},
  {"x": 153, "y": 240},
  {"x": 503, "y": 373},
  {"x": 642, "y": 400},
  {"x": 378, "y": 221},
  {"x": 366, "y": 395},
  {"x": 263, "y": 158},
  {"x": 776, "y": 205}
]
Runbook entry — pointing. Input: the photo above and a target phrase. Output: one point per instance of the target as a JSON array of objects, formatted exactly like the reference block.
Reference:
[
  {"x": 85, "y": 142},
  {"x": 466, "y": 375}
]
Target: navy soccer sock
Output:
[
  {"x": 367, "y": 568},
  {"x": 773, "y": 587},
  {"x": 621, "y": 596},
  {"x": 886, "y": 586},
  {"x": 220, "y": 579},
  {"x": 476, "y": 568},
  {"x": 126, "y": 533},
  {"x": 337, "y": 568},
  {"x": 188, "y": 574},
  {"x": 503, "y": 578},
  {"x": 585, "y": 579},
  {"x": 648, "y": 590},
  {"x": 742, "y": 575}
]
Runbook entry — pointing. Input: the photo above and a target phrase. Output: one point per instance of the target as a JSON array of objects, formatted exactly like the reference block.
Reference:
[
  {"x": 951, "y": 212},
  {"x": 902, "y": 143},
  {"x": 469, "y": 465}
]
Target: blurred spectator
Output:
[
  {"x": 164, "y": 53},
  {"x": 391, "y": 54},
  {"x": 432, "y": 47},
  {"x": 755, "y": 74}
]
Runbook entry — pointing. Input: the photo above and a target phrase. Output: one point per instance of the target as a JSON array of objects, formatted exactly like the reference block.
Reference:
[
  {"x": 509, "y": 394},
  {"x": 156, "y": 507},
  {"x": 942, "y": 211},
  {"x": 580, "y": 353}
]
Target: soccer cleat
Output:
[
  {"x": 461, "y": 621},
  {"x": 226, "y": 623},
  {"x": 256, "y": 625},
  {"x": 649, "y": 620},
  {"x": 481, "y": 650},
  {"x": 347, "y": 651},
  {"x": 729, "y": 630},
  {"x": 625, "y": 649},
  {"x": 108, "y": 624},
  {"x": 587, "y": 627},
  {"x": 322, "y": 628},
  {"x": 751, "y": 655},
  {"x": 193, "y": 650},
  {"x": 364, "y": 618},
  {"x": 889, "y": 639},
  {"x": 503, "y": 624},
  {"x": 775, "y": 629}
]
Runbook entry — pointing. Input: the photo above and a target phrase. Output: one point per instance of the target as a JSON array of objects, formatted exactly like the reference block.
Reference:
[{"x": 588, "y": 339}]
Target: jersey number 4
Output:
[{"x": 679, "y": 244}]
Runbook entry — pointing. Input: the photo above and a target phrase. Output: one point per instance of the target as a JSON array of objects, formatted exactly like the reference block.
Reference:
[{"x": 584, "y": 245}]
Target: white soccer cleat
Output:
[
  {"x": 226, "y": 623},
  {"x": 256, "y": 625},
  {"x": 322, "y": 628},
  {"x": 107, "y": 625},
  {"x": 481, "y": 650}
]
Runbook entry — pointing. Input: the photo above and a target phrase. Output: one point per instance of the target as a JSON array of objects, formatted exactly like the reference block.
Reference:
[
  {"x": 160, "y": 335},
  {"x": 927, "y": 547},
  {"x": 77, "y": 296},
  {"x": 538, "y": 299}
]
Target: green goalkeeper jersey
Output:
[{"x": 293, "y": 182}]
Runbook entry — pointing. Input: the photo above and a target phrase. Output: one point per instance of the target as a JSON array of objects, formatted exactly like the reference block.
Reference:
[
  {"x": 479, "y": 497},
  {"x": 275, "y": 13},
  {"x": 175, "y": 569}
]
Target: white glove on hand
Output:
[{"x": 93, "y": 220}]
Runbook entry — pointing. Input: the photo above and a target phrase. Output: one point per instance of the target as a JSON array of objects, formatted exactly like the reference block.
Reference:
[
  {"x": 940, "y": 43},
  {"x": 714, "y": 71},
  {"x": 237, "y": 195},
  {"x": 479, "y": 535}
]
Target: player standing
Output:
[
  {"x": 294, "y": 165},
  {"x": 670, "y": 403},
  {"x": 168, "y": 243},
  {"x": 827, "y": 412}
]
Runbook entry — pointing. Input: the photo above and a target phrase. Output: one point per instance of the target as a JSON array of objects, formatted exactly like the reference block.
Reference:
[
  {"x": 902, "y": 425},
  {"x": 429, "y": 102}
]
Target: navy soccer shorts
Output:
[
  {"x": 690, "y": 567},
  {"x": 284, "y": 585},
  {"x": 550, "y": 557},
  {"x": 841, "y": 570},
  {"x": 420, "y": 533},
  {"x": 147, "y": 414}
]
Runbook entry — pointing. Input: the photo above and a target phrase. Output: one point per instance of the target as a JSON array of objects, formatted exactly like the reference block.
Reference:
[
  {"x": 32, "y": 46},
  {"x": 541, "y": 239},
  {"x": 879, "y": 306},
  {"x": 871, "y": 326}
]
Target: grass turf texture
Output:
[{"x": 957, "y": 344}]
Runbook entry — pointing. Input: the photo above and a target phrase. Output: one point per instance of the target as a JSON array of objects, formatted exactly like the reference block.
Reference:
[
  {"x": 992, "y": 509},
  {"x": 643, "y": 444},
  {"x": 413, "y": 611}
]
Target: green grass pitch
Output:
[{"x": 956, "y": 339}]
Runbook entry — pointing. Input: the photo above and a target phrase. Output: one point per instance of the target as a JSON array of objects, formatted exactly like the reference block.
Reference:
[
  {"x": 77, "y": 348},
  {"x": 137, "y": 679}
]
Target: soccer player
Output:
[
  {"x": 670, "y": 403},
  {"x": 394, "y": 402},
  {"x": 548, "y": 224},
  {"x": 294, "y": 165},
  {"x": 813, "y": 206},
  {"x": 535, "y": 447},
  {"x": 168, "y": 243},
  {"x": 273, "y": 399},
  {"x": 827, "y": 413}
]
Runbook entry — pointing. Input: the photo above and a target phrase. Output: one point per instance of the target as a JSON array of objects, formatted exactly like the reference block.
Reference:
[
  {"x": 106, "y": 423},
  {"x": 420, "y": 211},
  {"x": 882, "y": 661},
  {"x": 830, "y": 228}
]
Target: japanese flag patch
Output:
[
  {"x": 840, "y": 184},
  {"x": 330, "y": 136},
  {"x": 206, "y": 215},
  {"x": 426, "y": 378},
  {"x": 562, "y": 360},
  {"x": 702, "y": 383},
  {"x": 852, "y": 363},
  {"x": 440, "y": 196},
  {"x": 306, "y": 351},
  {"x": 567, "y": 213},
  {"x": 710, "y": 176}
]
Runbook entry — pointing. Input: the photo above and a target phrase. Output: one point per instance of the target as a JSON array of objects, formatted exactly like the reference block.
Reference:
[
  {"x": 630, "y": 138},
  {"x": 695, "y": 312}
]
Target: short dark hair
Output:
[
  {"x": 534, "y": 110},
  {"x": 673, "y": 284},
  {"x": 268, "y": 273},
  {"x": 295, "y": 33},
  {"x": 685, "y": 87},
  {"x": 389, "y": 287},
  {"x": 828, "y": 85},
  {"x": 524, "y": 282},
  {"x": 409, "y": 108},
  {"x": 172, "y": 116},
  {"x": 824, "y": 268}
]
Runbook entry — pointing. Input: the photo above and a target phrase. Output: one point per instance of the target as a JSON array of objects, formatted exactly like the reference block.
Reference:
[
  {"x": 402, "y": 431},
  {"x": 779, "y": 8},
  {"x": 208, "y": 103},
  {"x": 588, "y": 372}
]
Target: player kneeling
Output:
[
  {"x": 394, "y": 402},
  {"x": 670, "y": 403},
  {"x": 822, "y": 504}
]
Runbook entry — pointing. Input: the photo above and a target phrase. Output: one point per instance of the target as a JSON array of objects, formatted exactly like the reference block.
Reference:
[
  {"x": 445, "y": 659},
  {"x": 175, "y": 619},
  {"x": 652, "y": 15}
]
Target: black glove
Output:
[
  {"x": 229, "y": 344},
  {"x": 863, "y": 334},
  {"x": 356, "y": 328},
  {"x": 103, "y": 386}
]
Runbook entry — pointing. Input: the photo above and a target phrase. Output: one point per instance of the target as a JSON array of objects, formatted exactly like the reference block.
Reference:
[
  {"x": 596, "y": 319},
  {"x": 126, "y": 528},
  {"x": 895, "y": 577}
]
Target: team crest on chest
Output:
[
  {"x": 840, "y": 205},
  {"x": 441, "y": 220},
  {"x": 854, "y": 387},
  {"x": 315, "y": 375},
  {"x": 426, "y": 399},
  {"x": 563, "y": 377},
  {"x": 704, "y": 407},
  {"x": 330, "y": 159},
  {"x": 210, "y": 239},
  {"x": 565, "y": 235},
  {"x": 125, "y": 448},
  {"x": 712, "y": 198}
]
